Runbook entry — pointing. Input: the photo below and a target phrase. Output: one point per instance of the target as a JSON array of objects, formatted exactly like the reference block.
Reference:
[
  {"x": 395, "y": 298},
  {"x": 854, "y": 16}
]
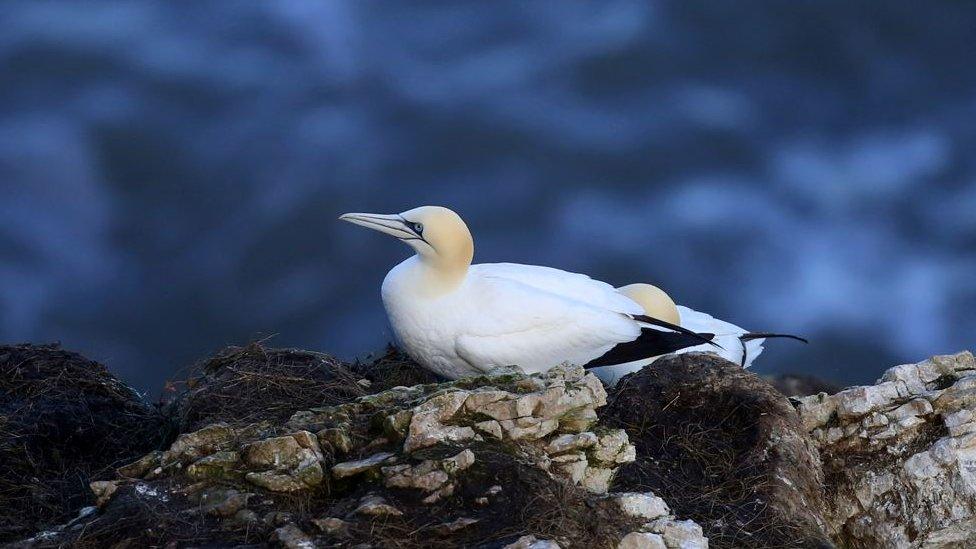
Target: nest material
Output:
[
  {"x": 249, "y": 384},
  {"x": 393, "y": 368},
  {"x": 64, "y": 421},
  {"x": 716, "y": 441}
]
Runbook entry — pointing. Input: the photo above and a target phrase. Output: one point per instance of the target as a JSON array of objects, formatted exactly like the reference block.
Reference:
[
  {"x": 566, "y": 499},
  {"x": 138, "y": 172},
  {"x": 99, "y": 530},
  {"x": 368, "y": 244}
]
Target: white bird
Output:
[
  {"x": 459, "y": 319},
  {"x": 734, "y": 343}
]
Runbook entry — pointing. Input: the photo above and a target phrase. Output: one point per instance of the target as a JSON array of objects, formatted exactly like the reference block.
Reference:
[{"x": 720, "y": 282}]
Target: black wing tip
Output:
[
  {"x": 770, "y": 335},
  {"x": 704, "y": 338},
  {"x": 651, "y": 343}
]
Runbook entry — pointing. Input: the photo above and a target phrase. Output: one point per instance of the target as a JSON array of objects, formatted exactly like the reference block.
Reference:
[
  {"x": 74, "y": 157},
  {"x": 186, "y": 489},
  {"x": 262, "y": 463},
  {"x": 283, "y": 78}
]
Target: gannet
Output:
[
  {"x": 459, "y": 319},
  {"x": 734, "y": 343}
]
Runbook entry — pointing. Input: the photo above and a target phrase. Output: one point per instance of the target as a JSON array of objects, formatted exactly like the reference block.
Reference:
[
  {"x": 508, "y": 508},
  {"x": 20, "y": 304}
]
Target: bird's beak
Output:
[{"x": 389, "y": 224}]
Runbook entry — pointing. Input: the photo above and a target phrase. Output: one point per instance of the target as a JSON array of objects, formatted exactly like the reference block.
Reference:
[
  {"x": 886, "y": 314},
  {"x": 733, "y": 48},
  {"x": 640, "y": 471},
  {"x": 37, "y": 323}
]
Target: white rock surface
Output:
[
  {"x": 641, "y": 505},
  {"x": 531, "y": 542},
  {"x": 642, "y": 540},
  {"x": 900, "y": 456}
]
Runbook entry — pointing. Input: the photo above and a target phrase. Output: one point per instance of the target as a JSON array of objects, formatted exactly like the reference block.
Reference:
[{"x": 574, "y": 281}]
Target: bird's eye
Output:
[{"x": 418, "y": 228}]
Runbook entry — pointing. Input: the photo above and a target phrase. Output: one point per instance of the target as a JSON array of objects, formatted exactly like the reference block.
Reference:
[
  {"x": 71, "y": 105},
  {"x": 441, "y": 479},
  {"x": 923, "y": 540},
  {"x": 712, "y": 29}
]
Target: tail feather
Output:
[{"x": 763, "y": 335}]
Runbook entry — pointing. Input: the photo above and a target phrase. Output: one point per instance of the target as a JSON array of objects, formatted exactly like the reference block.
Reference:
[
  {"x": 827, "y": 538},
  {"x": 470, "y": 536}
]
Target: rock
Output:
[
  {"x": 350, "y": 468},
  {"x": 531, "y": 542},
  {"x": 722, "y": 447},
  {"x": 597, "y": 479},
  {"x": 570, "y": 442},
  {"x": 376, "y": 506},
  {"x": 427, "y": 426},
  {"x": 578, "y": 421},
  {"x": 292, "y": 537},
  {"x": 292, "y": 462},
  {"x": 190, "y": 447},
  {"x": 103, "y": 490},
  {"x": 276, "y": 482},
  {"x": 441, "y": 441},
  {"x": 611, "y": 447},
  {"x": 141, "y": 466},
  {"x": 430, "y": 475},
  {"x": 641, "y": 505},
  {"x": 642, "y": 540},
  {"x": 684, "y": 534},
  {"x": 332, "y": 526},
  {"x": 455, "y": 525},
  {"x": 217, "y": 465},
  {"x": 223, "y": 502},
  {"x": 898, "y": 455},
  {"x": 278, "y": 453},
  {"x": 338, "y": 439},
  {"x": 490, "y": 427}
]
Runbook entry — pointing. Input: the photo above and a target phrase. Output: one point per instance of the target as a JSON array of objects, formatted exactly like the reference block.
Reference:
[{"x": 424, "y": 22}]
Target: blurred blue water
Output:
[{"x": 170, "y": 172}]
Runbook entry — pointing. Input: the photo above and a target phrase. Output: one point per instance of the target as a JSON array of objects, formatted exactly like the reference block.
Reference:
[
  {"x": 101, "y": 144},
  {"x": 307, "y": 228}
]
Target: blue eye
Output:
[{"x": 418, "y": 228}]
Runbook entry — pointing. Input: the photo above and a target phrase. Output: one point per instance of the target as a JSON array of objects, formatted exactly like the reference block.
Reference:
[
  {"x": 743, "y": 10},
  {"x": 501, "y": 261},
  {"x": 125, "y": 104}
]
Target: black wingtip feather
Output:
[
  {"x": 665, "y": 324},
  {"x": 769, "y": 335},
  {"x": 649, "y": 344}
]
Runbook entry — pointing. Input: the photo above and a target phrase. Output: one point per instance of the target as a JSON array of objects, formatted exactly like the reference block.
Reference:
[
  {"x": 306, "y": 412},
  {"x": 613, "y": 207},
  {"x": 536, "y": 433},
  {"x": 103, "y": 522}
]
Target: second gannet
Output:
[
  {"x": 459, "y": 319},
  {"x": 734, "y": 343}
]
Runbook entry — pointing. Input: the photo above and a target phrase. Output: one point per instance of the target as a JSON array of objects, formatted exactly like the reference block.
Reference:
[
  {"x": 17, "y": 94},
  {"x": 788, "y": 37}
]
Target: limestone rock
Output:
[
  {"x": 217, "y": 465},
  {"x": 641, "y": 505},
  {"x": 455, "y": 525},
  {"x": 683, "y": 534},
  {"x": 292, "y": 537},
  {"x": 899, "y": 455},
  {"x": 140, "y": 467},
  {"x": 190, "y": 447},
  {"x": 376, "y": 506},
  {"x": 290, "y": 463},
  {"x": 350, "y": 468},
  {"x": 103, "y": 490},
  {"x": 642, "y": 540},
  {"x": 223, "y": 502},
  {"x": 336, "y": 438},
  {"x": 570, "y": 442},
  {"x": 332, "y": 526},
  {"x": 531, "y": 542},
  {"x": 430, "y": 476}
]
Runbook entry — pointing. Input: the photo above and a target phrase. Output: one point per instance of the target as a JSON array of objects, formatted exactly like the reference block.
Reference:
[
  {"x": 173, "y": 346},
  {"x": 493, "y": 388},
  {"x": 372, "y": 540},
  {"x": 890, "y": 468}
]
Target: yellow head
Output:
[
  {"x": 655, "y": 302},
  {"x": 438, "y": 235}
]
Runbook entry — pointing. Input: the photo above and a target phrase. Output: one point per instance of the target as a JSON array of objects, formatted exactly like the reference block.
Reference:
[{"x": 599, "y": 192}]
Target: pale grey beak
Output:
[{"x": 389, "y": 224}]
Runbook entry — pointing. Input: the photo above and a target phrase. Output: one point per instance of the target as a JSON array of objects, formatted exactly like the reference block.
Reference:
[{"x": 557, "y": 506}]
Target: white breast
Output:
[{"x": 505, "y": 314}]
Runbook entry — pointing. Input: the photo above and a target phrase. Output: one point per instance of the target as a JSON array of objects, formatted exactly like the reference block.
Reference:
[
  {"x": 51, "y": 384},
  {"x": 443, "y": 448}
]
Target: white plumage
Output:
[
  {"x": 506, "y": 314},
  {"x": 726, "y": 335},
  {"x": 459, "y": 319}
]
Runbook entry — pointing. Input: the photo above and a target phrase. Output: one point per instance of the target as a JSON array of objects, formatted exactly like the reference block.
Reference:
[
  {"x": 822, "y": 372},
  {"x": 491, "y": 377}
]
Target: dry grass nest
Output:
[
  {"x": 64, "y": 420},
  {"x": 703, "y": 429},
  {"x": 243, "y": 385}
]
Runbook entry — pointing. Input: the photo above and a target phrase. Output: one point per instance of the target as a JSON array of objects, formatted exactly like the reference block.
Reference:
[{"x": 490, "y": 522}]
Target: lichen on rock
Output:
[{"x": 899, "y": 455}]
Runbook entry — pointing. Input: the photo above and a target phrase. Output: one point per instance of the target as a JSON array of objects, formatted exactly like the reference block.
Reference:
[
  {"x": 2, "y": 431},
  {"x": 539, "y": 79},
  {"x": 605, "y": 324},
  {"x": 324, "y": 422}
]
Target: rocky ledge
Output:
[
  {"x": 900, "y": 456},
  {"x": 296, "y": 449}
]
